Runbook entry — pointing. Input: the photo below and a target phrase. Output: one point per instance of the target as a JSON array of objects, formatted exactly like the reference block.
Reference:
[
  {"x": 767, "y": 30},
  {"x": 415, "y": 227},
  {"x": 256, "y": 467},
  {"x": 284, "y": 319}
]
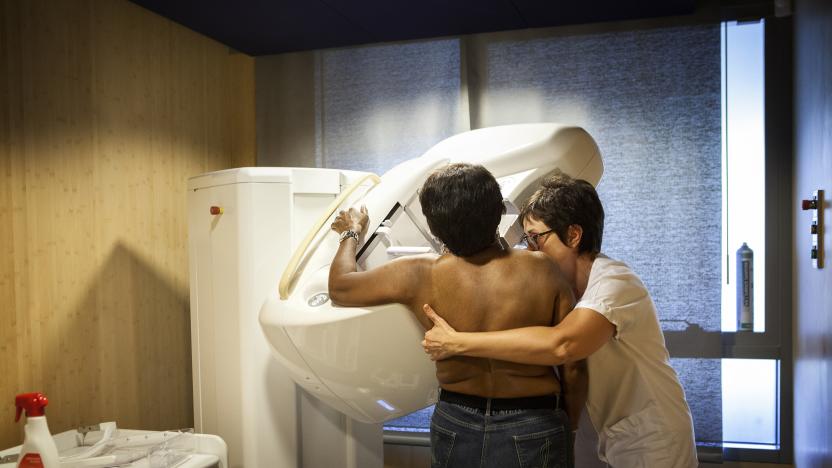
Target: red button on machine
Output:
[{"x": 216, "y": 210}]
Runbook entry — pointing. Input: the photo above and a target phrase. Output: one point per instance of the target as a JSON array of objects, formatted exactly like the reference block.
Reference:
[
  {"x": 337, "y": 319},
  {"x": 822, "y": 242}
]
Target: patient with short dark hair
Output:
[
  {"x": 490, "y": 412},
  {"x": 463, "y": 206}
]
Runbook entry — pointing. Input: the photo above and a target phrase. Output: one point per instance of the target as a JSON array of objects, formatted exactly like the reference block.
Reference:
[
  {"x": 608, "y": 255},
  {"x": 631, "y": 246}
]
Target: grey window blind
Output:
[{"x": 381, "y": 105}]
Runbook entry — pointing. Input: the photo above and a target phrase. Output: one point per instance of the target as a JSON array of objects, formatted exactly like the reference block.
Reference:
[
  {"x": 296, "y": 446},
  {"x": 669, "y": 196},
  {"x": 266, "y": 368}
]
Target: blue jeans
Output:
[{"x": 466, "y": 437}]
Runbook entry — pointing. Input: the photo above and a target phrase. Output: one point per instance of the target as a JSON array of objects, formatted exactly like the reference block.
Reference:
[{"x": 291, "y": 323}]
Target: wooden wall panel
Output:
[
  {"x": 106, "y": 110},
  {"x": 9, "y": 137}
]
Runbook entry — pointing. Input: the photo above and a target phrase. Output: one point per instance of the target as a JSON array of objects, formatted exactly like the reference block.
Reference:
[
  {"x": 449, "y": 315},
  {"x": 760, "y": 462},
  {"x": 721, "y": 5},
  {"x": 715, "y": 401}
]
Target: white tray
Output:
[{"x": 209, "y": 451}]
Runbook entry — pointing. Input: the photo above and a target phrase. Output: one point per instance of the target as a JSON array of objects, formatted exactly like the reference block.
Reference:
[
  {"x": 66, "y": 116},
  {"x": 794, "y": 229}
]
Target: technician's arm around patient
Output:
[
  {"x": 443, "y": 341},
  {"x": 581, "y": 333}
]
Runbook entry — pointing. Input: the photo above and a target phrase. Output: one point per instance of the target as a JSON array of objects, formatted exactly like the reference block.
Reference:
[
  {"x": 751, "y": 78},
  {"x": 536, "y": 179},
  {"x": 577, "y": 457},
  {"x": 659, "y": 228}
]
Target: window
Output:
[
  {"x": 750, "y": 404},
  {"x": 750, "y": 385},
  {"x": 743, "y": 165}
]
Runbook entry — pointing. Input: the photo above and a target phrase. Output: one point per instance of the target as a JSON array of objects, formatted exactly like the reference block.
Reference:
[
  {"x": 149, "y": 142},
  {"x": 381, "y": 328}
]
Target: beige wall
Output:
[
  {"x": 105, "y": 110},
  {"x": 286, "y": 100}
]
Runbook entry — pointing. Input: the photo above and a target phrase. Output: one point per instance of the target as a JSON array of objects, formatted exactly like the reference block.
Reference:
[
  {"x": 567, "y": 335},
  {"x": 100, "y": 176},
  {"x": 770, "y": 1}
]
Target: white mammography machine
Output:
[{"x": 260, "y": 248}]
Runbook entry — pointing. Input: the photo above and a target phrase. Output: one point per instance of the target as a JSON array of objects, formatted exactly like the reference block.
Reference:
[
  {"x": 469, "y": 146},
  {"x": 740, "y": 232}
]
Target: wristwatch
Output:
[{"x": 346, "y": 234}]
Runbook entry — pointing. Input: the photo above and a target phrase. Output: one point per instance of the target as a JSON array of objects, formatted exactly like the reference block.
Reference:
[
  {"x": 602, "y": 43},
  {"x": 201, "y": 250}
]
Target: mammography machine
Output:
[{"x": 260, "y": 248}]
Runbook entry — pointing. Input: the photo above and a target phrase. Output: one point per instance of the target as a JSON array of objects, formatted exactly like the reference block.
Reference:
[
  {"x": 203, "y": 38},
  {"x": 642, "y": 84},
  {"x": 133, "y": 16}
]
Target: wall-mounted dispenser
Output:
[{"x": 816, "y": 228}]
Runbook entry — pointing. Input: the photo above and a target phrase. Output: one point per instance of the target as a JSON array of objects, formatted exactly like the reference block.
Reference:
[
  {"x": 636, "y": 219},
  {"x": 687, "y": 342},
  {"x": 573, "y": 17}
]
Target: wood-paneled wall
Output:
[{"x": 105, "y": 110}]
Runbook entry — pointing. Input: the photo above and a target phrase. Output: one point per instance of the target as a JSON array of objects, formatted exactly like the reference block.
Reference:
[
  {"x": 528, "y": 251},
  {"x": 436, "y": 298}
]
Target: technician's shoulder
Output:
[
  {"x": 609, "y": 267},
  {"x": 610, "y": 275}
]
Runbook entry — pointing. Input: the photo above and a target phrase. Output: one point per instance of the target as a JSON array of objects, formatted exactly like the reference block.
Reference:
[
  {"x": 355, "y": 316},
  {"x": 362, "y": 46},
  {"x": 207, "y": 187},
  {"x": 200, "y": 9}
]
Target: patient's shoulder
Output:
[
  {"x": 425, "y": 258},
  {"x": 419, "y": 264}
]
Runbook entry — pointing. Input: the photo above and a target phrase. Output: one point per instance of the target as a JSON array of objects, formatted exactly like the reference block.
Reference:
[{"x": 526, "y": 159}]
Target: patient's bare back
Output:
[{"x": 496, "y": 289}]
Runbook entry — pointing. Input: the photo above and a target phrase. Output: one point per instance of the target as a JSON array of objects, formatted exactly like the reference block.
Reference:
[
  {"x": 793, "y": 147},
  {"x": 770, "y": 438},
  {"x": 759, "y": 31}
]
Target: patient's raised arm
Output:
[{"x": 389, "y": 283}]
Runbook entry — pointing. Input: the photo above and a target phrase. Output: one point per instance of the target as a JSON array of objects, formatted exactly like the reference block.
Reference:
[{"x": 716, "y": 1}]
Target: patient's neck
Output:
[{"x": 497, "y": 249}]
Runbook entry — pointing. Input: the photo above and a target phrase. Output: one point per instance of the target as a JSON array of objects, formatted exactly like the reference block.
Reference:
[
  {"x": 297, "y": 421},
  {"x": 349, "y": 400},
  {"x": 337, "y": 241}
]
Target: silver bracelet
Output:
[{"x": 347, "y": 234}]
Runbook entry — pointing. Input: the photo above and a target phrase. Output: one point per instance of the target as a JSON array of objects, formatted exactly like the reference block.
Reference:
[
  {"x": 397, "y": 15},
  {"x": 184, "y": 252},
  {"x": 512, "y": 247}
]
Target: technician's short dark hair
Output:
[
  {"x": 562, "y": 201},
  {"x": 463, "y": 205}
]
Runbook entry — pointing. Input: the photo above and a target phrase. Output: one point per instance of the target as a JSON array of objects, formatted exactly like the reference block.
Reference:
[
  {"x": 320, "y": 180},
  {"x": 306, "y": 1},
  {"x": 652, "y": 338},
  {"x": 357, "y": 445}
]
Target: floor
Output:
[{"x": 402, "y": 456}]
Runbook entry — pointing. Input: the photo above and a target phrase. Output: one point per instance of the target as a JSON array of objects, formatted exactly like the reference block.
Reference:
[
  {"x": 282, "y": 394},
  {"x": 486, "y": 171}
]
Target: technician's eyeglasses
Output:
[{"x": 531, "y": 242}]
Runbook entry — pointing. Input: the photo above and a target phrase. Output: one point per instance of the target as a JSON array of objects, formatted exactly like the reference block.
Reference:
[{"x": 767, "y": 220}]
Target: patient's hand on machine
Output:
[{"x": 351, "y": 220}]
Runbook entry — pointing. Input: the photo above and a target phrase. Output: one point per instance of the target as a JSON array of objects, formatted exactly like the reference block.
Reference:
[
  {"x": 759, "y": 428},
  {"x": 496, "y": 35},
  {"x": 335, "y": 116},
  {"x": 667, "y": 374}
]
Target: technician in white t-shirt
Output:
[{"x": 635, "y": 403}]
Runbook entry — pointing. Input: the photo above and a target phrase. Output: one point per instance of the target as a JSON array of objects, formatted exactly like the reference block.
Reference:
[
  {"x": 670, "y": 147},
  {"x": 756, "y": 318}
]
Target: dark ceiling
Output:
[{"x": 263, "y": 27}]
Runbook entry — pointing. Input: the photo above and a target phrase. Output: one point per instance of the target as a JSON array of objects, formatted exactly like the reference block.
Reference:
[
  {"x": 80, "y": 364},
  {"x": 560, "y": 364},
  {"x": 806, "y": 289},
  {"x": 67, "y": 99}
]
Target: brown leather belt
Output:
[{"x": 500, "y": 404}]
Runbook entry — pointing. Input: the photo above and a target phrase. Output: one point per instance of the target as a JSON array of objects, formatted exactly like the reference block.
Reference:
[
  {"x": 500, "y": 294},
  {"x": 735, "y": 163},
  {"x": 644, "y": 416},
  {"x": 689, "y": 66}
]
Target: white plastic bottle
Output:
[
  {"x": 38, "y": 450},
  {"x": 745, "y": 288}
]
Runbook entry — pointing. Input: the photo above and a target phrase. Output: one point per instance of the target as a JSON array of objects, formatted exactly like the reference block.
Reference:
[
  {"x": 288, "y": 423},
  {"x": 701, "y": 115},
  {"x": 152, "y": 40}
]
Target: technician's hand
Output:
[
  {"x": 353, "y": 220},
  {"x": 439, "y": 341}
]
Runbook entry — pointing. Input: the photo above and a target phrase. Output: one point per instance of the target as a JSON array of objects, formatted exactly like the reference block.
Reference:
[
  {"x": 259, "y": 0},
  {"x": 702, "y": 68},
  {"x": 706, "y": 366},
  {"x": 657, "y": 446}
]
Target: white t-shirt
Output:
[{"x": 635, "y": 400}]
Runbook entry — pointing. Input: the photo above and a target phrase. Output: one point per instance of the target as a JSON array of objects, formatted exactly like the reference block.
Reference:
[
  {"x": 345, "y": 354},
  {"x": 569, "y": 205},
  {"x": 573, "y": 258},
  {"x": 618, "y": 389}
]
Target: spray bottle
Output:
[
  {"x": 38, "y": 450},
  {"x": 745, "y": 288}
]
